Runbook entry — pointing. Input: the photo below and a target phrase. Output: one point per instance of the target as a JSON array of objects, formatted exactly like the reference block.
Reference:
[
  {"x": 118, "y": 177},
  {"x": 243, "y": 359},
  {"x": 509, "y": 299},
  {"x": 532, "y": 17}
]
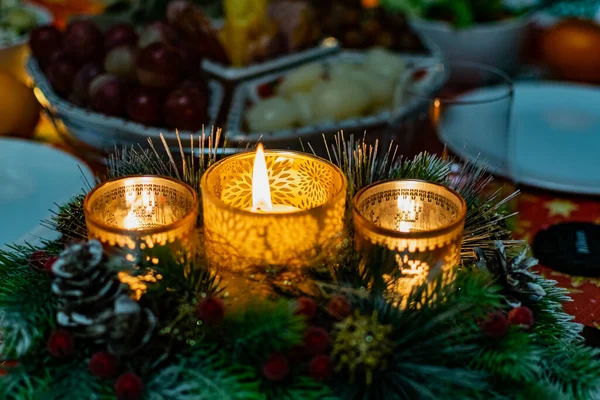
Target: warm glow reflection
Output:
[
  {"x": 407, "y": 208},
  {"x": 144, "y": 204},
  {"x": 261, "y": 193}
]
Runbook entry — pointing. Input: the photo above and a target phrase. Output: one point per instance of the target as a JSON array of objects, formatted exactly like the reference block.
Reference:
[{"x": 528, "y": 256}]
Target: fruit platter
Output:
[
  {"x": 122, "y": 85},
  {"x": 350, "y": 91}
]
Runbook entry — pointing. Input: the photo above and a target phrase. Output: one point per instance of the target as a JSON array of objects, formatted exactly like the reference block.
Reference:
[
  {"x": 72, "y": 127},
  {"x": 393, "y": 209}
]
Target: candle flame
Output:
[
  {"x": 146, "y": 203},
  {"x": 261, "y": 192},
  {"x": 407, "y": 208}
]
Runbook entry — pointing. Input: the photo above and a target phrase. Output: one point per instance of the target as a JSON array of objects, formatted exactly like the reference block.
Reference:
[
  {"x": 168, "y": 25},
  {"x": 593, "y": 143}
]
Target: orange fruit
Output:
[
  {"x": 571, "y": 50},
  {"x": 19, "y": 109}
]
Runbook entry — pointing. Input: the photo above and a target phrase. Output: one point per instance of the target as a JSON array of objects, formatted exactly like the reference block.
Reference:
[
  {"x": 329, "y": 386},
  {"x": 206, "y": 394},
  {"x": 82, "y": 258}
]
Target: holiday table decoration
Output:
[
  {"x": 272, "y": 208},
  {"x": 142, "y": 211},
  {"x": 419, "y": 223},
  {"x": 73, "y": 327}
]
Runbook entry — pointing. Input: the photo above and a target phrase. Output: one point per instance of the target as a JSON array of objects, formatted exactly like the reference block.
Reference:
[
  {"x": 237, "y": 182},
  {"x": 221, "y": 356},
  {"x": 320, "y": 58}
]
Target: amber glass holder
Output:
[
  {"x": 141, "y": 212},
  {"x": 238, "y": 239},
  {"x": 418, "y": 225}
]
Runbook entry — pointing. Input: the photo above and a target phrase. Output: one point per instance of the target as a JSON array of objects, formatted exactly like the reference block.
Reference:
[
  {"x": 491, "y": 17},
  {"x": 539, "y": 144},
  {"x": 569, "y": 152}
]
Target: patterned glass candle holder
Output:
[
  {"x": 277, "y": 208},
  {"x": 142, "y": 212},
  {"x": 417, "y": 224}
]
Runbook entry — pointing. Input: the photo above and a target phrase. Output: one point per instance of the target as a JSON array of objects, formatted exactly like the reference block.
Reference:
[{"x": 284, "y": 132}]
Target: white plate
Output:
[
  {"x": 554, "y": 140},
  {"x": 33, "y": 179}
]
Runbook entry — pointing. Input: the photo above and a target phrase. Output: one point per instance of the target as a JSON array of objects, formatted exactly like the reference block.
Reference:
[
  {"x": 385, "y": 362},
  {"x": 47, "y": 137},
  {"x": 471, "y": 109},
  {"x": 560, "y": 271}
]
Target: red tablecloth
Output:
[{"x": 538, "y": 210}]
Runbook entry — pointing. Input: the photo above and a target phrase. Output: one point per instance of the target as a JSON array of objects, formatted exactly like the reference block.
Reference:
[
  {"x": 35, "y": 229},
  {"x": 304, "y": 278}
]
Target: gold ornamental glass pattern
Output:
[
  {"x": 142, "y": 211},
  {"x": 419, "y": 224},
  {"x": 312, "y": 191}
]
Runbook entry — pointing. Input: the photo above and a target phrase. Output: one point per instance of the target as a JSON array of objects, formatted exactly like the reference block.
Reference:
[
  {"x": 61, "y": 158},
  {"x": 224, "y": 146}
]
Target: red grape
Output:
[
  {"x": 120, "y": 61},
  {"x": 84, "y": 41},
  {"x": 175, "y": 7},
  {"x": 144, "y": 106},
  {"x": 44, "y": 41},
  {"x": 157, "y": 32},
  {"x": 81, "y": 85},
  {"x": 190, "y": 60},
  {"x": 186, "y": 109},
  {"x": 119, "y": 35},
  {"x": 159, "y": 66},
  {"x": 61, "y": 74},
  {"x": 107, "y": 95},
  {"x": 199, "y": 85}
]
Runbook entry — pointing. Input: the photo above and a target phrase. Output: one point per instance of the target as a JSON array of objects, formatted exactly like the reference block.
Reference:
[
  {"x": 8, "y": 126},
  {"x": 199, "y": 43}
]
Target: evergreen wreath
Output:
[{"x": 71, "y": 329}]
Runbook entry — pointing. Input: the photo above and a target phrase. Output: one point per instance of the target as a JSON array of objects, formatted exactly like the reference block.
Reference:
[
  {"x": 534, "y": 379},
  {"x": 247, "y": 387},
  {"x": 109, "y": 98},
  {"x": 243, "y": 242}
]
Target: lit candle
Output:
[
  {"x": 419, "y": 223},
  {"x": 272, "y": 208},
  {"x": 142, "y": 211},
  {"x": 261, "y": 191}
]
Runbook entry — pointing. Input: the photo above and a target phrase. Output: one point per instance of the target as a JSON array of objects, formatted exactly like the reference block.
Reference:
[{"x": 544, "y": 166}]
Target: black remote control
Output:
[{"x": 572, "y": 248}]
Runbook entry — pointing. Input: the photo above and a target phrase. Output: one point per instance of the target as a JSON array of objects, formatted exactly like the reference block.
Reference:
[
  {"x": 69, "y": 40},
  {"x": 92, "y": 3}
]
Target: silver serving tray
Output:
[
  {"x": 248, "y": 93},
  {"x": 102, "y": 132},
  {"x": 326, "y": 48}
]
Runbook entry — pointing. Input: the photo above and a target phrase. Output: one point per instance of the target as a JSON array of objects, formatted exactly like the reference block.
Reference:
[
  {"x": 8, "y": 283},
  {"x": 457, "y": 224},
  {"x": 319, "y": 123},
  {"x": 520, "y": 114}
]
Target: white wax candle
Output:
[{"x": 276, "y": 209}]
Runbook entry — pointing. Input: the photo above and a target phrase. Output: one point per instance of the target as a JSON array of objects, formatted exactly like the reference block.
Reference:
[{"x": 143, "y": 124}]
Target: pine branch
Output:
[
  {"x": 52, "y": 381},
  {"x": 204, "y": 373},
  {"x": 553, "y": 326},
  {"x": 424, "y": 166},
  {"x": 512, "y": 358},
  {"x": 576, "y": 370},
  {"x": 69, "y": 219},
  {"x": 300, "y": 388},
  {"x": 27, "y": 307},
  {"x": 261, "y": 327}
]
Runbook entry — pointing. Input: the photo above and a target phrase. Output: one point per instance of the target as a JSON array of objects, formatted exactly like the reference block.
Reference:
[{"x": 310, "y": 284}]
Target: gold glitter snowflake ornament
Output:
[{"x": 361, "y": 343}]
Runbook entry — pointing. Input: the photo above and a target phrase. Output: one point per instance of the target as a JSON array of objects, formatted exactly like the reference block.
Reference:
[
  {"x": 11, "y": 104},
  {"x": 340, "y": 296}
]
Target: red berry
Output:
[
  {"x": 44, "y": 41},
  {"x": 144, "y": 105},
  {"x": 61, "y": 344},
  {"x": 276, "y": 367},
  {"x": 49, "y": 263},
  {"x": 37, "y": 260},
  {"x": 522, "y": 316},
  {"x": 84, "y": 41},
  {"x": 103, "y": 365},
  {"x": 186, "y": 109},
  {"x": 6, "y": 366},
  {"x": 321, "y": 367},
  {"x": 339, "y": 307},
  {"x": 316, "y": 340},
  {"x": 119, "y": 35},
  {"x": 211, "y": 310},
  {"x": 129, "y": 386},
  {"x": 265, "y": 90},
  {"x": 306, "y": 307},
  {"x": 495, "y": 325}
]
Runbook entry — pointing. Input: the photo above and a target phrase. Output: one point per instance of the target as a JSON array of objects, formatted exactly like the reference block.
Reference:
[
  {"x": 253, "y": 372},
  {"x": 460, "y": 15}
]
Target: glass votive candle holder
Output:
[
  {"x": 304, "y": 222},
  {"x": 417, "y": 225},
  {"x": 140, "y": 212}
]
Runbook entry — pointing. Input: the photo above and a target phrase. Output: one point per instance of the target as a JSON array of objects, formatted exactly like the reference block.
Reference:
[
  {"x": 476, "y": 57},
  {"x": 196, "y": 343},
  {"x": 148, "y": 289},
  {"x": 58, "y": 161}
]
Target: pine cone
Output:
[
  {"x": 94, "y": 303},
  {"x": 513, "y": 274}
]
